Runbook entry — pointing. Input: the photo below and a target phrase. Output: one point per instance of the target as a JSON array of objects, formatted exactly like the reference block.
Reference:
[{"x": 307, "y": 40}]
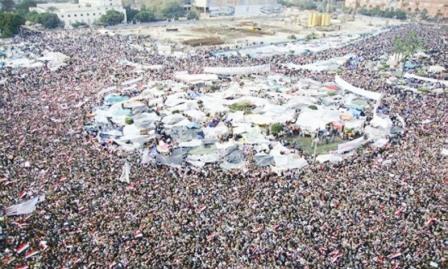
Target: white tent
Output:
[
  {"x": 55, "y": 59},
  {"x": 312, "y": 120},
  {"x": 284, "y": 160}
]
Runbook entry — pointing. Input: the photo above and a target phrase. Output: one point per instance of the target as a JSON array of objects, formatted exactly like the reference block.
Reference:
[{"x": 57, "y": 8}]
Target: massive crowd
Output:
[{"x": 381, "y": 208}]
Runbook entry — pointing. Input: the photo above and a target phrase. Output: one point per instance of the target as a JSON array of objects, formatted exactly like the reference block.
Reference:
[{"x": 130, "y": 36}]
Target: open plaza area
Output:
[{"x": 225, "y": 143}]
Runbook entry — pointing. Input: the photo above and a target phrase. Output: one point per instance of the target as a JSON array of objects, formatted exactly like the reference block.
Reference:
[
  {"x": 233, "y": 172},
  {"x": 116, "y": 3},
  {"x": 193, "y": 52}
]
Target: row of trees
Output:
[
  {"x": 156, "y": 11},
  {"x": 387, "y": 13},
  {"x": 10, "y": 23},
  {"x": 160, "y": 10},
  {"x": 302, "y": 4},
  {"x": 13, "y": 16}
]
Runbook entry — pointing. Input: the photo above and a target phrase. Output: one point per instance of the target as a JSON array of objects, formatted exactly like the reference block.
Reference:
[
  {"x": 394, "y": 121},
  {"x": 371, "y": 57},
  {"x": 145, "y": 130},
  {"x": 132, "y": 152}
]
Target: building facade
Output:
[
  {"x": 433, "y": 7},
  {"x": 86, "y": 11}
]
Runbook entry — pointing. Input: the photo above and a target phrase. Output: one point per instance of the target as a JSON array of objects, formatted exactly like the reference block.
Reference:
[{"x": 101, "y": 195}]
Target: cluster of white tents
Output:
[
  {"x": 18, "y": 57},
  {"x": 215, "y": 127}
]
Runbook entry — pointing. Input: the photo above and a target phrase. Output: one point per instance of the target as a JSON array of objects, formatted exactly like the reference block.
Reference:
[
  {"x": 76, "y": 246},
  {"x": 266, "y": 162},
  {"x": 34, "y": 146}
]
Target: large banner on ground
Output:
[
  {"x": 348, "y": 87},
  {"x": 240, "y": 70}
]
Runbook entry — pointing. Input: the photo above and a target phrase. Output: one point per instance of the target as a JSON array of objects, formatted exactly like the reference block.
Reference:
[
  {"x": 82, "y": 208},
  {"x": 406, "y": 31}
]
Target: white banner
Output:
[
  {"x": 352, "y": 145},
  {"x": 348, "y": 87},
  {"x": 407, "y": 75},
  {"x": 242, "y": 70},
  {"x": 24, "y": 208}
]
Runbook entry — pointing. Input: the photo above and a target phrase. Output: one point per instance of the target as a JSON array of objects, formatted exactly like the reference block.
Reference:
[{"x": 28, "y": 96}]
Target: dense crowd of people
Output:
[{"x": 382, "y": 208}]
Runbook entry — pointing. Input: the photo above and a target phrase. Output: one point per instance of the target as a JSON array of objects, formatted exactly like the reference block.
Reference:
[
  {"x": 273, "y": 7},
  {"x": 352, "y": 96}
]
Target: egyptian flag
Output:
[
  {"x": 30, "y": 253},
  {"x": 22, "y": 247},
  {"x": 7, "y": 260}
]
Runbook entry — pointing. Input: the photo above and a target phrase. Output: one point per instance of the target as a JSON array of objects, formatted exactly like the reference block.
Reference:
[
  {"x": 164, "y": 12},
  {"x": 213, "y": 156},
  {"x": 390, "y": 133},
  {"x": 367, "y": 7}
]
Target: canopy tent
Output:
[
  {"x": 312, "y": 120},
  {"x": 55, "y": 60}
]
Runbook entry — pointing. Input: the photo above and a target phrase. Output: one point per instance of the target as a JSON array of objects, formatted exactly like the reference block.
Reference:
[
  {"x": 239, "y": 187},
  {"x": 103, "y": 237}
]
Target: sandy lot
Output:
[{"x": 260, "y": 29}]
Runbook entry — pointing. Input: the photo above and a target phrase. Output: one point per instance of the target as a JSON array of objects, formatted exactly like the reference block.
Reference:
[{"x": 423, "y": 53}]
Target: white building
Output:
[
  {"x": 238, "y": 8},
  {"x": 86, "y": 11}
]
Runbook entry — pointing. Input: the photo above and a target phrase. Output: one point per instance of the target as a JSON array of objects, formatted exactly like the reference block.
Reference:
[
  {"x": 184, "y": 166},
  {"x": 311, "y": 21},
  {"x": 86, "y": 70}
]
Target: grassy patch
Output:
[
  {"x": 246, "y": 107},
  {"x": 305, "y": 143},
  {"x": 424, "y": 90},
  {"x": 128, "y": 120},
  {"x": 276, "y": 128}
]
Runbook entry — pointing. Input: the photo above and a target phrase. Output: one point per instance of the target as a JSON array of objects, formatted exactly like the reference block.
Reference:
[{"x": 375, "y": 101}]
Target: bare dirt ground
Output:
[{"x": 260, "y": 29}]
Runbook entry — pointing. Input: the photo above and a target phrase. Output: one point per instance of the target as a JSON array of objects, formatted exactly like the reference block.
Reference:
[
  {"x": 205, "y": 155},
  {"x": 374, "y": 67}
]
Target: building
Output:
[
  {"x": 239, "y": 8},
  {"x": 85, "y": 11},
  {"x": 433, "y": 7}
]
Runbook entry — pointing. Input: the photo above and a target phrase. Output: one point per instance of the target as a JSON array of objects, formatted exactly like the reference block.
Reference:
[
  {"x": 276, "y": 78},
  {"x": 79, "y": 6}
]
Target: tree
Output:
[
  {"x": 33, "y": 16},
  {"x": 193, "y": 15},
  {"x": 8, "y": 5},
  {"x": 276, "y": 129},
  {"x": 112, "y": 17},
  {"x": 24, "y": 6},
  {"x": 49, "y": 20},
  {"x": 424, "y": 14},
  {"x": 130, "y": 13},
  {"x": 304, "y": 4},
  {"x": 145, "y": 15},
  {"x": 79, "y": 25},
  {"x": 408, "y": 45},
  {"x": 10, "y": 24},
  {"x": 172, "y": 9},
  {"x": 285, "y": 3},
  {"x": 400, "y": 14}
]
